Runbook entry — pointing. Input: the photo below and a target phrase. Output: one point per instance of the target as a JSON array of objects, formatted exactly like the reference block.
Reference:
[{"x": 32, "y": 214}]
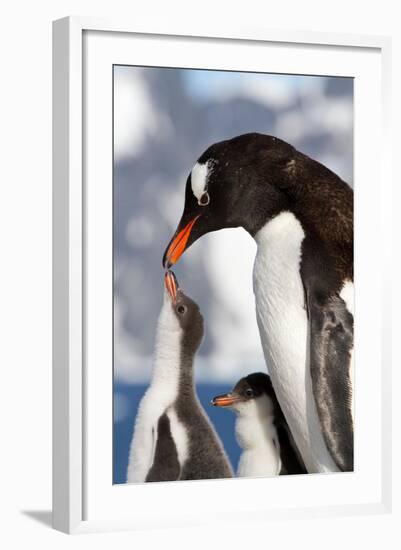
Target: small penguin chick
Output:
[
  {"x": 261, "y": 430},
  {"x": 156, "y": 422},
  {"x": 173, "y": 437}
]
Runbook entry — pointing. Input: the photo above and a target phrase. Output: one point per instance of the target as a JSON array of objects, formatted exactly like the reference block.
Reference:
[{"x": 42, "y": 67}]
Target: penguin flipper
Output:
[
  {"x": 331, "y": 343},
  {"x": 166, "y": 466}
]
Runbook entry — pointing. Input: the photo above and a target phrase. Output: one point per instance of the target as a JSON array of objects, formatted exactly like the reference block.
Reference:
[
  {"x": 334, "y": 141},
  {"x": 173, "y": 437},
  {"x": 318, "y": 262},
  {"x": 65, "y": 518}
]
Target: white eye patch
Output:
[{"x": 199, "y": 179}]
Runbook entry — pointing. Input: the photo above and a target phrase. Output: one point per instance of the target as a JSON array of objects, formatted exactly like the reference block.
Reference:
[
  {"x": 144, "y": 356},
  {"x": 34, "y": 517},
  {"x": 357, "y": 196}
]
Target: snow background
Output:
[{"x": 163, "y": 120}]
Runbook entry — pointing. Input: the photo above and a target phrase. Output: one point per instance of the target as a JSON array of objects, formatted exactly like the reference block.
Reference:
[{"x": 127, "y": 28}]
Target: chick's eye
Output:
[
  {"x": 181, "y": 310},
  {"x": 249, "y": 392},
  {"x": 204, "y": 199}
]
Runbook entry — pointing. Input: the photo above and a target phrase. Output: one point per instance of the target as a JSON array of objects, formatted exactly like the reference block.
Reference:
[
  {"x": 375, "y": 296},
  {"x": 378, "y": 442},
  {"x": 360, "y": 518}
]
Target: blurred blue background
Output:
[{"x": 163, "y": 120}]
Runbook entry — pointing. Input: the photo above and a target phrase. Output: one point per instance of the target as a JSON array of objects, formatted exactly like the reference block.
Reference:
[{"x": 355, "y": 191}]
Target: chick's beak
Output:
[
  {"x": 178, "y": 244},
  {"x": 171, "y": 284},
  {"x": 225, "y": 400}
]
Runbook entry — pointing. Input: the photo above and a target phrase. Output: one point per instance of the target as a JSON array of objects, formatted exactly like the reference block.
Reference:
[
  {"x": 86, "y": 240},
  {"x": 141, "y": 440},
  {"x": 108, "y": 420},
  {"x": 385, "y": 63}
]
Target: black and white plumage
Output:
[
  {"x": 301, "y": 216},
  {"x": 262, "y": 432},
  {"x": 173, "y": 437}
]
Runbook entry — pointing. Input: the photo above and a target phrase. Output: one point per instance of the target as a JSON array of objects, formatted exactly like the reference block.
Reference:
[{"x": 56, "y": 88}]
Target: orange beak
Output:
[
  {"x": 225, "y": 400},
  {"x": 170, "y": 282},
  {"x": 178, "y": 244}
]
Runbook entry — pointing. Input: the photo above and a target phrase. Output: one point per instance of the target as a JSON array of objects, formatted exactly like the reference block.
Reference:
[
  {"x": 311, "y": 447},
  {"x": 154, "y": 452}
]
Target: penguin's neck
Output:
[
  {"x": 284, "y": 229},
  {"x": 167, "y": 356},
  {"x": 276, "y": 276},
  {"x": 173, "y": 373},
  {"x": 187, "y": 371},
  {"x": 166, "y": 368}
]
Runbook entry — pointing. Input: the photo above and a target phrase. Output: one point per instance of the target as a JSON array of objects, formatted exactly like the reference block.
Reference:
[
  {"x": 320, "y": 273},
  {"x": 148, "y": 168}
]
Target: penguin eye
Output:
[
  {"x": 181, "y": 310},
  {"x": 249, "y": 392},
  {"x": 204, "y": 199}
]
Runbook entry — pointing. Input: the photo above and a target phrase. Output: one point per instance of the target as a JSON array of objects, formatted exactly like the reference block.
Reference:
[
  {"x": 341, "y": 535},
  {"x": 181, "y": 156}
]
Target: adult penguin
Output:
[{"x": 301, "y": 216}]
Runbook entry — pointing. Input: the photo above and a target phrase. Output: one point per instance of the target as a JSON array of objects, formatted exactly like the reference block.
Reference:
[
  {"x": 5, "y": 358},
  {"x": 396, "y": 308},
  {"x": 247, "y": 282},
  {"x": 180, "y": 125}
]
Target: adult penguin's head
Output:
[{"x": 235, "y": 183}]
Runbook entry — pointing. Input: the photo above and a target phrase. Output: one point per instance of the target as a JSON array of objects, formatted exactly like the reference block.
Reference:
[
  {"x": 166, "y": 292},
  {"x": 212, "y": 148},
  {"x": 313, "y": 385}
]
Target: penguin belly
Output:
[
  {"x": 283, "y": 327},
  {"x": 259, "y": 462},
  {"x": 261, "y": 452}
]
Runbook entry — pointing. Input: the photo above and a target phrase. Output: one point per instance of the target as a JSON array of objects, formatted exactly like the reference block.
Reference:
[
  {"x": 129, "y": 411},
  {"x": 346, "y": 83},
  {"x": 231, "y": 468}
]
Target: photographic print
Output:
[{"x": 233, "y": 274}]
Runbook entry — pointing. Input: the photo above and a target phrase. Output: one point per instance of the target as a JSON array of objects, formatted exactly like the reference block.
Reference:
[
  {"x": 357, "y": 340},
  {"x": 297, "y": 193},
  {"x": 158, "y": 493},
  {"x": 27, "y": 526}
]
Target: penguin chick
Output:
[
  {"x": 262, "y": 432},
  {"x": 173, "y": 437}
]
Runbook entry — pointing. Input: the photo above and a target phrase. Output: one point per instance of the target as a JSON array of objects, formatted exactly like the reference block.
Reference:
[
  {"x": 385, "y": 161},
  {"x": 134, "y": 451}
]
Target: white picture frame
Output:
[{"x": 84, "y": 499}]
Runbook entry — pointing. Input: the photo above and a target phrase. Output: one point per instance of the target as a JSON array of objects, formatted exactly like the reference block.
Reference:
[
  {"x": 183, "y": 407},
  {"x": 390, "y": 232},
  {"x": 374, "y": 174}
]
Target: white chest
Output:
[
  {"x": 160, "y": 395},
  {"x": 283, "y": 327},
  {"x": 260, "y": 449}
]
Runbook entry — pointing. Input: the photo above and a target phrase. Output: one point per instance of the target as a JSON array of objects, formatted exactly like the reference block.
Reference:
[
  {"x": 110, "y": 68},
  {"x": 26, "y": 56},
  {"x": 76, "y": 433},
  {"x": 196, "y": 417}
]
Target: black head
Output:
[
  {"x": 235, "y": 183},
  {"x": 246, "y": 390},
  {"x": 254, "y": 385},
  {"x": 186, "y": 312}
]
